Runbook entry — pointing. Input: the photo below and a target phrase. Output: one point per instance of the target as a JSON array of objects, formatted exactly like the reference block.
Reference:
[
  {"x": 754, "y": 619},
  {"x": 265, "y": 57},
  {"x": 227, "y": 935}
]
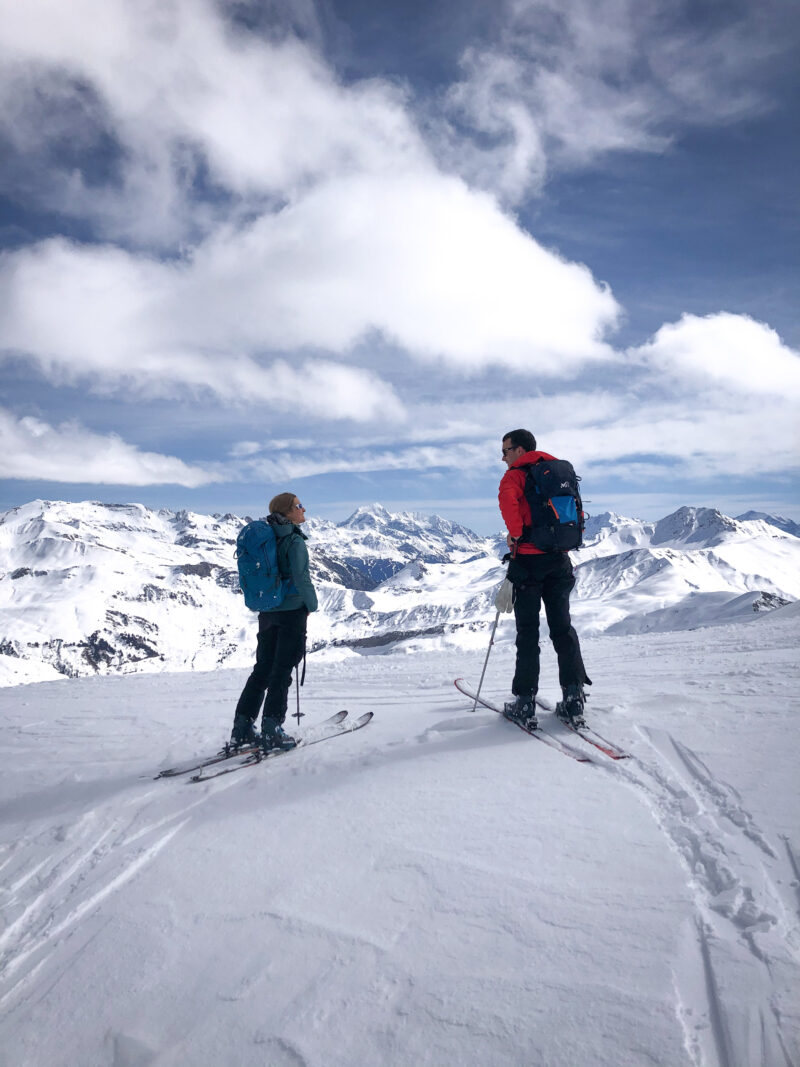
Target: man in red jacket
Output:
[{"x": 538, "y": 577}]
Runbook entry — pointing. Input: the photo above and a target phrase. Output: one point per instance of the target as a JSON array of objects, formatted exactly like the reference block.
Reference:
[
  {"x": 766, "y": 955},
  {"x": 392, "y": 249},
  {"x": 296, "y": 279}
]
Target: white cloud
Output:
[
  {"x": 298, "y": 462},
  {"x": 289, "y": 218},
  {"x": 438, "y": 269},
  {"x": 189, "y": 99},
  {"x": 566, "y": 82},
  {"x": 245, "y": 448},
  {"x": 731, "y": 351},
  {"x": 435, "y": 267},
  {"x": 141, "y": 327},
  {"x": 184, "y": 95},
  {"x": 336, "y": 224},
  {"x": 31, "y": 449},
  {"x": 645, "y": 431}
]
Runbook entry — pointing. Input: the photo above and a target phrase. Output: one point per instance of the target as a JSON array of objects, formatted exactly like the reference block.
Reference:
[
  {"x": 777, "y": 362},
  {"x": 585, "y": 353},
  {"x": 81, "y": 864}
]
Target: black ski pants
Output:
[
  {"x": 281, "y": 646},
  {"x": 547, "y": 578}
]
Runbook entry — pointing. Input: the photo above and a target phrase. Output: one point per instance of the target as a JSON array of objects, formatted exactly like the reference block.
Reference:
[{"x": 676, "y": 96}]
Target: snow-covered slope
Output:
[
  {"x": 692, "y": 568},
  {"x": 773, "y": 520},
  {"x": 92, "y": 588},
  {"x": 438, "y": 889}
]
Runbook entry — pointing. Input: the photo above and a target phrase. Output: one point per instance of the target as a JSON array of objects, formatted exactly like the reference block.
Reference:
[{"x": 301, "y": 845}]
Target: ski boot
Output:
[
  {"x": 523, "y": 710},
  {"x": 243, "y": 733},
  {"x": 273, "y": 739},
  {"x": 570, "y": 709}
]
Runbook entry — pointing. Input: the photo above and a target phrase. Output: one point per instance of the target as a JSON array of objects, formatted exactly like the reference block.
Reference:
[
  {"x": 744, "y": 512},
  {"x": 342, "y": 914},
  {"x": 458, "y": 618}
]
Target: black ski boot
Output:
[
  {"x": 570, "y": 709},
  {"x": 274, "y": 739},
  {"x": 243, "y": 733},
  {"x": 523, "y": 710}
]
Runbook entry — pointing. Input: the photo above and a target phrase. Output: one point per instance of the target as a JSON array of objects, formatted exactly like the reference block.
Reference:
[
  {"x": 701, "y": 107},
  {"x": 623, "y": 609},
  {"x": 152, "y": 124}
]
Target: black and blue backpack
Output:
[
  {"x": 553, "y": 495},
  {"x": 261, "y": 581}
]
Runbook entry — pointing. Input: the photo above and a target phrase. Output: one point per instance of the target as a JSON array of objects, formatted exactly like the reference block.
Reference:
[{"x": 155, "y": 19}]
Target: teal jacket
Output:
[{"x": 293, "y": 563}]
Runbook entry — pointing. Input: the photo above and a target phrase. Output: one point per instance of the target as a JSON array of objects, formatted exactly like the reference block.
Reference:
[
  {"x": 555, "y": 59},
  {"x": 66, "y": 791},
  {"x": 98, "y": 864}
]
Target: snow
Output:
[
  {"x": 435, "y": 889},
  {"x": 91, "y": 588}
]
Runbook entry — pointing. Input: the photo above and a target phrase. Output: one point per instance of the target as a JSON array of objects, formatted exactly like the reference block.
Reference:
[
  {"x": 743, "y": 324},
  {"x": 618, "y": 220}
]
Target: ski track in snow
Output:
[
  {"x": 735, "y": 876},
  {"x": 736, "y": 964},
  {"x": 57, "y": 877}
]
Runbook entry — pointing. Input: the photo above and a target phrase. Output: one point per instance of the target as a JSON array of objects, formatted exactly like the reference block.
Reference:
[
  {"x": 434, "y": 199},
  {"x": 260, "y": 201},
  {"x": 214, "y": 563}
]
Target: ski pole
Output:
[
  {"x": 298, "y": 713},
  {"x": 488, "y": 650},
  {"x": 491, "y": 638}
]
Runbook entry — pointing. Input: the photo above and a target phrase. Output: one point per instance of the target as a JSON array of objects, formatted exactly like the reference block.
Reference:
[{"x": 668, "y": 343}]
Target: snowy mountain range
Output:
[{"x": 91, "y": 588}]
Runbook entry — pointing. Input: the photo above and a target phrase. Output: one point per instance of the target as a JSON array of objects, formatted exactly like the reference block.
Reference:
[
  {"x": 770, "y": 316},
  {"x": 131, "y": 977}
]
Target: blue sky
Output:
[{"x": 341, "y": 247}]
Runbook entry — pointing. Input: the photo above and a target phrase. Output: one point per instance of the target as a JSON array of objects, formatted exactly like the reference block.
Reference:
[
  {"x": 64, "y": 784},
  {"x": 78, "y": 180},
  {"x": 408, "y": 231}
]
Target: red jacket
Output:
[{"x": 513, "y": 505}]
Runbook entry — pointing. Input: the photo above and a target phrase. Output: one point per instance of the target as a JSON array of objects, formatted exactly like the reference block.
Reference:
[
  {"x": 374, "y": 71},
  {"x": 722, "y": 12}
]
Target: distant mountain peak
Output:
[
  {"x": 778, "y": 521},
  {"x": 693, "y": 524},
  {"x": 369, "y": 515}
]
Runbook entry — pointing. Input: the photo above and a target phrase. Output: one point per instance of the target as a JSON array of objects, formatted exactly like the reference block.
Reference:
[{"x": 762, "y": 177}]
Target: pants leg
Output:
[
  {"x": 255, "y": 687},
  {"x": 289, "y": 648},
  {"x": 547, "y": 577},
  {"x": 527, "y": 605},
  {"x": 281, "y": 643},
  {"x": 556, "y": 588}
]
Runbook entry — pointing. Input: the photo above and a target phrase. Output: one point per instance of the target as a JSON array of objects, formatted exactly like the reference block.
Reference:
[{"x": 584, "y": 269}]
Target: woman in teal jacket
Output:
[{"x": 281, "y": 634}]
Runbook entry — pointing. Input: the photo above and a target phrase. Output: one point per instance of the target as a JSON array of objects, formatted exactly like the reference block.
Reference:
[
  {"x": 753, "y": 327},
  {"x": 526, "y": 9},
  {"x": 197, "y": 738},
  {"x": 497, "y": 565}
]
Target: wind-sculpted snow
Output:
[
  {"x": 95, "y": 588},
  {"x": 436, "y": 889}
]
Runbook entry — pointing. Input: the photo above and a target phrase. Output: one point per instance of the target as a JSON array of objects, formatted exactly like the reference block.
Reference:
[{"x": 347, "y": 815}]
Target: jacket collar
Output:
[
  {"x": 284, "y": 527},
  {"x": 527, "y": 458}
]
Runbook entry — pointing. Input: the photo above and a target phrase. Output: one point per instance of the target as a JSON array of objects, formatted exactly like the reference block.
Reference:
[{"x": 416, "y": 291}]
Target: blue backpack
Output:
[
  {"x": 260, "y": 578},
  {"x": 554, "y": 497}
]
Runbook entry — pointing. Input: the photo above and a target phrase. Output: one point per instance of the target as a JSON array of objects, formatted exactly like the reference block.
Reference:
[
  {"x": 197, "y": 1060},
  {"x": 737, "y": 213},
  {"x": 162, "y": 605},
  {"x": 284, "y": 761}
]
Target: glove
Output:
[{"x": 504, "y": 597}]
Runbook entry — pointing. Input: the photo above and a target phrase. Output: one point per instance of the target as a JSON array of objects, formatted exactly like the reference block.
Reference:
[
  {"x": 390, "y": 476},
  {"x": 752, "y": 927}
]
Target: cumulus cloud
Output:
[
  {"x": 565, "y": 83},
  {"x": 434, "y": 267},
  {"x": 31, "y": 449},
  {"x": 729, "y": 351},
  {"x": 315, "y": 214},
  {"x": 136, "y": 325}
]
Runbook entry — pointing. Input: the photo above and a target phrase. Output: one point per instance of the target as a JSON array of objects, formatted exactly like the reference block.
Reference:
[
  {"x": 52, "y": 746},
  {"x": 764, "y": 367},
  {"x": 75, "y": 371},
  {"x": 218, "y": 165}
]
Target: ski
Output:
[
  {"x": 230, "y": 751},
  {"x": 309, "y": 739},
  {"x": 539, "y": 733},
  {"x": 590, "y": 735}
]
